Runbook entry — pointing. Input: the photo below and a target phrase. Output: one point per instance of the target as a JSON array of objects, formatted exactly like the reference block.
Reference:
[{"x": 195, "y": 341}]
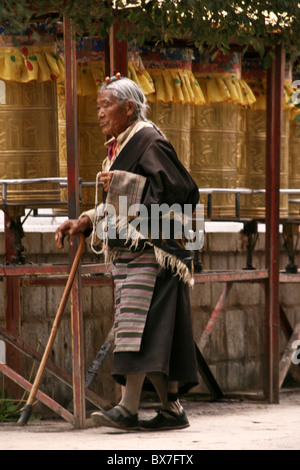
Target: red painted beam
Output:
[
  {"x": 49, "y": 269},
  {"x": 41, "y": 396},
  {"x": 214, "y": 316},
  {"x": 232, "y": 276}
]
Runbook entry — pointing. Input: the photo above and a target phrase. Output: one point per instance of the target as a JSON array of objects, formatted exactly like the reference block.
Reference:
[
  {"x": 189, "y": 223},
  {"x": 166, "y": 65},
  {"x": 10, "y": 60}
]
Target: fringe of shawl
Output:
[{"x": 164, "y": 260}]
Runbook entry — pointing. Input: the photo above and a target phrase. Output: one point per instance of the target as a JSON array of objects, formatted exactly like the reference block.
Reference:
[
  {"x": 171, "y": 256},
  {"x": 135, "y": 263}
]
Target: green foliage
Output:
[
  {"x": 255, "y": 24},
  {"x": 10, "y": 409}
]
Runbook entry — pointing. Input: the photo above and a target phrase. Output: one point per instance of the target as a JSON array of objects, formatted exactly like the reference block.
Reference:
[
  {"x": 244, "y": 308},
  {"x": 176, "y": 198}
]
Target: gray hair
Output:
[{"x": 125, "y": 89}]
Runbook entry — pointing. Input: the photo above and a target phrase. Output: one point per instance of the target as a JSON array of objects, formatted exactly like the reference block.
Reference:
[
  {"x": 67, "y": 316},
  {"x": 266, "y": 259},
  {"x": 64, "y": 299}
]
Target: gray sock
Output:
[{"x": 132, "y": 393}]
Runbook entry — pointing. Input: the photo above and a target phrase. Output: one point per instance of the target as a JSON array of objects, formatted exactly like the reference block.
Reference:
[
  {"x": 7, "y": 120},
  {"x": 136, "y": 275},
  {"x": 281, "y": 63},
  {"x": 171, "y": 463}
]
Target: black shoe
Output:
[
  {"x": 165, "y": 419},
  {"x": 116, "y": 419}
]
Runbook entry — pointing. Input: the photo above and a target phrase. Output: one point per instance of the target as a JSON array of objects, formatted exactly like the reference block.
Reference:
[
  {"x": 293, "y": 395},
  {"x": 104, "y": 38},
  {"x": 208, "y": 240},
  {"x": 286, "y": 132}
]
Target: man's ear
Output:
[{"x": 130, "y": 108}]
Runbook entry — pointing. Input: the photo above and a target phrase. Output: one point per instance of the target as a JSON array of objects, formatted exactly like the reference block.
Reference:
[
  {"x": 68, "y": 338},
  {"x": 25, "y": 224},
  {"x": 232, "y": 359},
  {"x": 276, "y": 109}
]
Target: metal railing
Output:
[
  {"x": 63, "y": 182},
  {"x": 238, "y": 192}
]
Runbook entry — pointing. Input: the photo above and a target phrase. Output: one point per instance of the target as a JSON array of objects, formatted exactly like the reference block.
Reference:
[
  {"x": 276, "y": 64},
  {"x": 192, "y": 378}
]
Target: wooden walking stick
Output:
[{"x": 26, "y": 411}]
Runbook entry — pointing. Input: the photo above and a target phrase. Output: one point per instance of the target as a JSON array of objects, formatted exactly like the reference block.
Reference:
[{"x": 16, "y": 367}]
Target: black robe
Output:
[{"x": 167, "y": 343}]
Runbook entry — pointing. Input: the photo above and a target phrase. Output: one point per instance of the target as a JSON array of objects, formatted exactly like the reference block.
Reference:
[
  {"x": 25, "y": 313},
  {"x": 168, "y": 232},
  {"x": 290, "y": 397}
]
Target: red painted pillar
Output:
[
  {"x": 275, "y": 90},
  {"x": 73, "y": 208},
  {"x": 118, "y": 53}
]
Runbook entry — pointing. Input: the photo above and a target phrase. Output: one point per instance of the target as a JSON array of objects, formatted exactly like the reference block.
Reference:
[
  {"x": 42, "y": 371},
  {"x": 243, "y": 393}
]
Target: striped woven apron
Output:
[{"x": 134, "y": 275}]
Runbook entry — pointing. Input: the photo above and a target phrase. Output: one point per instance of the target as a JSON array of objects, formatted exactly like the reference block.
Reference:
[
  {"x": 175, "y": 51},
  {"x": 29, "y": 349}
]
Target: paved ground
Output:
[{"x": 228, "y": 425}]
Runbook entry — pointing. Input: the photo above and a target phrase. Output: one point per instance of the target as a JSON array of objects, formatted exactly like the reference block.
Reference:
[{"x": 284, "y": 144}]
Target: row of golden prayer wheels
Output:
[{"x": 222, "y": 145}]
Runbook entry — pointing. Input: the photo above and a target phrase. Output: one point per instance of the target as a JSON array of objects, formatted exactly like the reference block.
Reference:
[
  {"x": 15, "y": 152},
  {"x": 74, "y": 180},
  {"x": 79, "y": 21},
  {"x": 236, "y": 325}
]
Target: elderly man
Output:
[{"x": 153, "y": 329}]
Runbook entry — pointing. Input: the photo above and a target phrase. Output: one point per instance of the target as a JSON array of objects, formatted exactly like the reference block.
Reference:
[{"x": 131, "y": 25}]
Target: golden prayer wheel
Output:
[
  {"x": 176, "y": 93},
  {"x": 252, "y": 156},
  {"x": 28, "y": 115},
  {"x": 215, "y": 128},
  {"x": 252, "y": 163},
  {"x": 90, "y": 75},
  {"x": 175, "y": 122},
  {"x": 214, "y": 153},
  {"x": 91, "y": 150},
  {"x": 29, "y": 140}
]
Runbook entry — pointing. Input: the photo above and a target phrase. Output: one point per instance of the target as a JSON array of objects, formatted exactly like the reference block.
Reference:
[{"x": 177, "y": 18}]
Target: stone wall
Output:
[{"x": 234, "y": 350}]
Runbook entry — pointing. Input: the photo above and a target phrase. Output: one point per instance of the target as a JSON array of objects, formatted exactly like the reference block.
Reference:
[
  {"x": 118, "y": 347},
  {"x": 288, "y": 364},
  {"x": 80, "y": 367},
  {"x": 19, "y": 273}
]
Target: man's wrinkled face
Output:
[{"x": 113, "y": 116}]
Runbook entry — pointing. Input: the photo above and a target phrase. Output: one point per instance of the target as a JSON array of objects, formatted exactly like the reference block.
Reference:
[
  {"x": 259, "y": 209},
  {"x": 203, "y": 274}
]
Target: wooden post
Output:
[
  {"x": 118, "y": 53},
  {"x": 275, "y": 89},
  {"x": 73, "y": 207}
]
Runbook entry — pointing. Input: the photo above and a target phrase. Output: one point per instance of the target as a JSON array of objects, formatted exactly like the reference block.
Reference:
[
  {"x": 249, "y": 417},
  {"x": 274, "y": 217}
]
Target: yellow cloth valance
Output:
[
  {"x": 225, "y": 88},
  {"x": 259, "y": 88},
  {"x": 254, "y": 73},
  {"x": 142, "y": 78},
  {"x": 172, "y": 75},
  {"x": 175, "y": 85},
  {"x": 91, "y": 76},
  {"x": 41, "y": 63},
  {"x": 90, "y": 58},
  {"x": 220, "y": 79}
]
